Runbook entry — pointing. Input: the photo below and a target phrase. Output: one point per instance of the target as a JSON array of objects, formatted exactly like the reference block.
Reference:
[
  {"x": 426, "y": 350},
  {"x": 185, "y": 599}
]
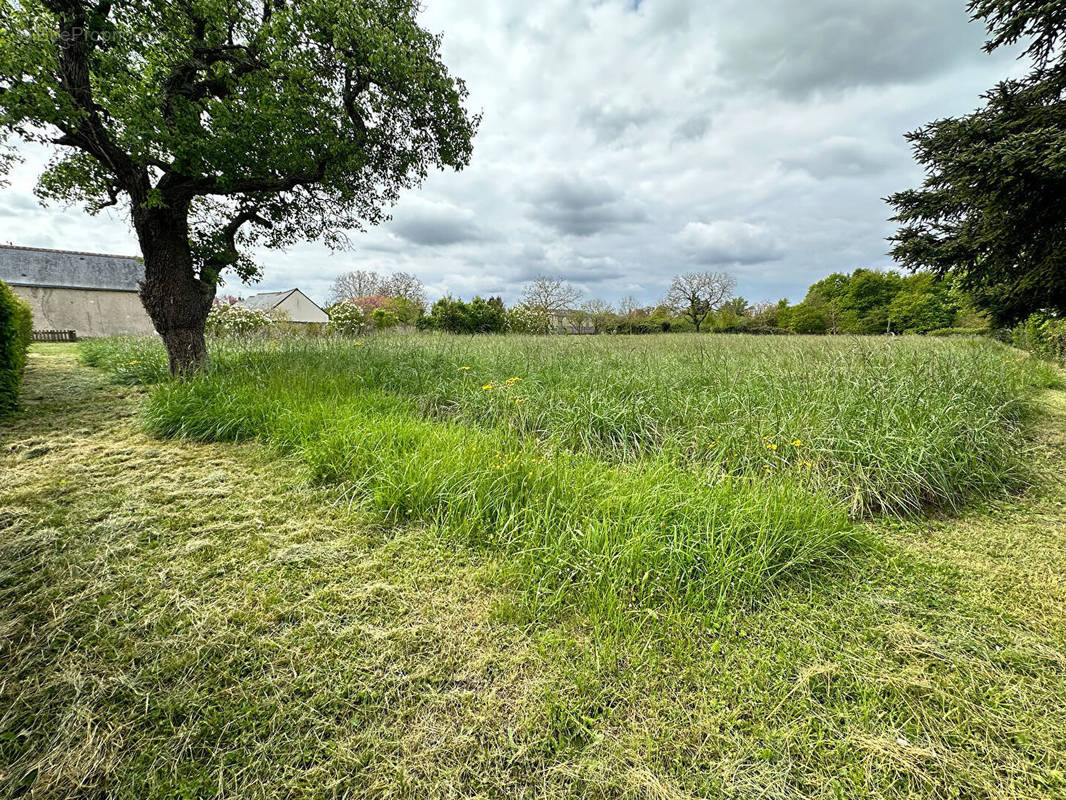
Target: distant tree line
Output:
[
  {"x": 864, "y": 302},
  {"x": 871, "y": 302}
]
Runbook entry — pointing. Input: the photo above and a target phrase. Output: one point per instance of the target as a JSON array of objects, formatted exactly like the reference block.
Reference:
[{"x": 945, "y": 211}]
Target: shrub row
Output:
[{"x": 16, "y": 328}]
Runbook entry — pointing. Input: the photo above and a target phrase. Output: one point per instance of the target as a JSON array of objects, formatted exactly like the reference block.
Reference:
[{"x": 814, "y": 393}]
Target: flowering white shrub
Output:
[
  {"x": 233, "y": 320},
  {"x": 346, "y": 319},
  {"x": 523, "y": 319}
]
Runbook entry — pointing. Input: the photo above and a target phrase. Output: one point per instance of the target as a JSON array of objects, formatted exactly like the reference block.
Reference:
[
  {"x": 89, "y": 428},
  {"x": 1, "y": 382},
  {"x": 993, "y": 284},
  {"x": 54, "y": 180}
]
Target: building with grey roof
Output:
[{"x": 92, "y": 294}]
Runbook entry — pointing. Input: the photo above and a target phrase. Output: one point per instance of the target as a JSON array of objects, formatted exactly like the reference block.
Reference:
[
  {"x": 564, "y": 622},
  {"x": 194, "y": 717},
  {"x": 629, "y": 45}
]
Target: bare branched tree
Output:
[
  {"x": 696, "y": 295},
  {"x": 366, "y": 283},
  {"x": 599, "y": 313},
  {"x": 405, "y": 285},
  {"x": 550, "y": 295},
  {"x": 357, "y": 283}
]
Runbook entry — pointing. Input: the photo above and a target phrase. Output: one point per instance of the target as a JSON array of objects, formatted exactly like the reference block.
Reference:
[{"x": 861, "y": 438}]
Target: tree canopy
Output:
[
  {"x": 696, "y": 295},
  {"x": 225, "y": 124},
  {"x": 990, "y": 210},
  {"x": 550, "y": 296}
]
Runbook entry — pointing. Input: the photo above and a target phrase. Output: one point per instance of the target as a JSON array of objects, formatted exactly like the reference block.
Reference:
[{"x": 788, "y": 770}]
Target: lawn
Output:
[{"x": 437, "y": 567}]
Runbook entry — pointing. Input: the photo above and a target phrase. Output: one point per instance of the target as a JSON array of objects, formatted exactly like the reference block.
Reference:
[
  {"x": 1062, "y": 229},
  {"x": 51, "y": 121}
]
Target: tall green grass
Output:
[{"x": 663, "y": 470}]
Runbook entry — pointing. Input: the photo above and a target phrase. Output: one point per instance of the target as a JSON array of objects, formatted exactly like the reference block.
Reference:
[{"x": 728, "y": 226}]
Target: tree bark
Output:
[{"x": 176, "y": 299}]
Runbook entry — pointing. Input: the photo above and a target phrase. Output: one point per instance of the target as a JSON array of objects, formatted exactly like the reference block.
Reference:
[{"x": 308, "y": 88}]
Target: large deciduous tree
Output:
[
  {"x": 220, "y": 125},
  {"x": 357, "y": 283},
  {"x": 696, "y": 295},
  {"x": 550, "y": 296},
  {"x": 366, "y": 283},
  {"x": 992, "y": 209}
]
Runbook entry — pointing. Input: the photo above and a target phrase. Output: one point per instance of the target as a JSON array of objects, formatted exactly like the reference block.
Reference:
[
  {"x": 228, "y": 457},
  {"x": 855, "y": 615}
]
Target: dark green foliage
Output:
[
  {"x": 455, "y": 316},
  {"x": 16, "y": 328},
  {"x": 990, "y": 208}
]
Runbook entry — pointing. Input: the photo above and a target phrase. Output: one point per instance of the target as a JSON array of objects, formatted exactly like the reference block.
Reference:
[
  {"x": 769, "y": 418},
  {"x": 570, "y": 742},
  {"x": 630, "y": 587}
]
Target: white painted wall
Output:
[
  {"x": 88, "y": 312},
  {"x": 300, "y": 309}
]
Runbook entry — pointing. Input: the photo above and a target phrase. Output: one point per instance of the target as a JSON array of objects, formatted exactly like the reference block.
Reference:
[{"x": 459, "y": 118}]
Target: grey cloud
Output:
[
  {"x": 802, "y": 47},
  {"x": 19, "y": 205},
  {"x": 582, "y": 207},
  {"x": 730, "y": 242},
  {"x": 574, "y": 268},
  {"x": 693, "y": 128},
  {"x": 844, "y": 157},
  {"x": 610, "y": 123},
  {"x": 436, "y": 225}
]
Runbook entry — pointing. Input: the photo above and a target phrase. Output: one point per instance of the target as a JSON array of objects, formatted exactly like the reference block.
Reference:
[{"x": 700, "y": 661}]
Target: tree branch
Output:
[{"x": 89, "y": 134}]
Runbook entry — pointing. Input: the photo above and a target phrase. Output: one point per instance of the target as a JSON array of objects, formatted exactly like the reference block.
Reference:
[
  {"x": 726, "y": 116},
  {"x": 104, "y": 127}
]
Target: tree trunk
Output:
[{"x": 172, "y": 293}]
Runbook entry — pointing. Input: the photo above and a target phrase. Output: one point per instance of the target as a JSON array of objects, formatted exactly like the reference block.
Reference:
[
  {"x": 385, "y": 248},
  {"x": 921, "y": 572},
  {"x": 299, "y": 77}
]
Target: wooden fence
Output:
[{"x": 55, "y": 336}]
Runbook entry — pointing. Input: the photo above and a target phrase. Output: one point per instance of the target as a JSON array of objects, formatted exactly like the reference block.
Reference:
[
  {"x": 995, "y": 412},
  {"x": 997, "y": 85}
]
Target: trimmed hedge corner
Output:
[{"x": 16, "y": 330}]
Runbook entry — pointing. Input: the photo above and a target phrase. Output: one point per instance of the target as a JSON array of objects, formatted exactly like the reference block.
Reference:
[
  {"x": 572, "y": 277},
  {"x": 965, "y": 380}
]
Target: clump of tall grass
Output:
[
  {"x": 688, "y": 467},
  {"x": 609, "y": 536},
  {"x": 130, "y": 360}
]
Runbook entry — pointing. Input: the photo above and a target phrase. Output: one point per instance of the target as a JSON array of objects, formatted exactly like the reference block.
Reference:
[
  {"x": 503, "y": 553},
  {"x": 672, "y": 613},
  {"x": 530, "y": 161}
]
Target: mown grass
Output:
[
  {"x": 687, "y": 472},
  {"x": 184, "y": 619}
]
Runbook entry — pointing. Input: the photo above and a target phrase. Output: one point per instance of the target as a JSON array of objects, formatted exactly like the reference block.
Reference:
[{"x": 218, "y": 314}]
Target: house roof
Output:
[
  {"x": 69, "y": 269},
  {"x": 266, "y": 301}
]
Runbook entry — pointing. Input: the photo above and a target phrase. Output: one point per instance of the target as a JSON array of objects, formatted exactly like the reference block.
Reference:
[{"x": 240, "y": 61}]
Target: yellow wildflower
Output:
[
  {"x": 465, "y": 369},
  {"x": 487, "y": 386},
  {"x": 798, "y": 443}
]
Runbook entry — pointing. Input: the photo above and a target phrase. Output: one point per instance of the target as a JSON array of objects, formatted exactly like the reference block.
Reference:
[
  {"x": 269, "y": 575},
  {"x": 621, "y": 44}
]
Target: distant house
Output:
[
  {"x": 572, "y": 322},
  {"x": 294, "y": 304},
  {"x": 91, "y": 294}
]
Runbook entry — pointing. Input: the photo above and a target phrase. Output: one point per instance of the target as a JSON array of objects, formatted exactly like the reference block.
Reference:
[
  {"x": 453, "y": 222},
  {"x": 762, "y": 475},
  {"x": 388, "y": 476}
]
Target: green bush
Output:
[
  {"x": 16, "y": 329},
  {"x": 383, "y": 319},
  {"x": 808, "y": 319},
  {"x": 1042, "y": 335},
  {"x": 455, "y": 316}
]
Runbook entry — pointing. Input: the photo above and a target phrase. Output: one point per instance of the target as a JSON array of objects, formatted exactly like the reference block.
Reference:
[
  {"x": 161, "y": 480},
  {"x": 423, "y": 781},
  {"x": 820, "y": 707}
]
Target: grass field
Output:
[
  {"x": 680, "y": 472},
  {"x": 350, "y": 603}
]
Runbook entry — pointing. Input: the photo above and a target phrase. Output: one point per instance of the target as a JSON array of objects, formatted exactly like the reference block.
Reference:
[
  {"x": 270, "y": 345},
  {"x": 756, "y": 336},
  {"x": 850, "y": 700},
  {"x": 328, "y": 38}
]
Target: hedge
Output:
[{"x": 16, "y": 329}]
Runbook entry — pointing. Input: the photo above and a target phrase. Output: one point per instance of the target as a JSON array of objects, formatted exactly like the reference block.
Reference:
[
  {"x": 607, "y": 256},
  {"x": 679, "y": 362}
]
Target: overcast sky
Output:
[{"x": 624, "y": 141}]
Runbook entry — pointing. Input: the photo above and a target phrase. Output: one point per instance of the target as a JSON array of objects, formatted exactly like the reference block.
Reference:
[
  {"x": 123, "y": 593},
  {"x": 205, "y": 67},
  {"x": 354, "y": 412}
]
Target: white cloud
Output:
[{"x": 730, "y": 242}]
